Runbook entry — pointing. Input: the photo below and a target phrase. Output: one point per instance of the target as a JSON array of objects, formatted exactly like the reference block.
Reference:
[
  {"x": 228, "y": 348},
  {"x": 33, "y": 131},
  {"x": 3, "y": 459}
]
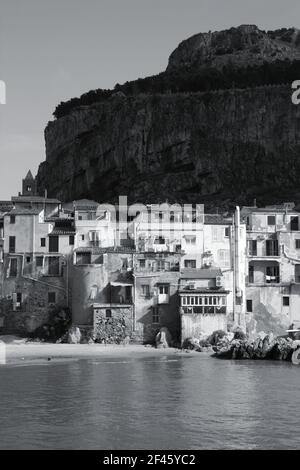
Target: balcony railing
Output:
[
  {"x": 263, "y": 253},
  {"x": 155, "y": 268}
]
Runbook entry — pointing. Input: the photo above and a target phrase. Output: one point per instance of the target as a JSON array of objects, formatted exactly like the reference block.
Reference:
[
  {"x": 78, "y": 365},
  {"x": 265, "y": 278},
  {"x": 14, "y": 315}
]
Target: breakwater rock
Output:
[{"x": 267, "y": 347}]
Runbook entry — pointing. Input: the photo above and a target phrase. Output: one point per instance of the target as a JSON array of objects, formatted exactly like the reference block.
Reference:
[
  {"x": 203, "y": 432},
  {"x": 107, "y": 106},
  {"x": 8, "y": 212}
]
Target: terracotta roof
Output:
[
  {"x": 216, "y": 219},
  {"x": 63, "y": 231},
  {"x": 24, "y": 211},
  {"x": 200, "y": 273},
  {"x": 34, "y": 199},
  {"x": 100, "y": 250},
  {"x": 203, "y": 291},
  {"x": 85, "y": 204}
]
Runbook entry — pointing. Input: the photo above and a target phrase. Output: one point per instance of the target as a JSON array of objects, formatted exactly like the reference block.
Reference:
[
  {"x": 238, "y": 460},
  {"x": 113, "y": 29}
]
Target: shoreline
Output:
[{"x": 24, "y": 353}]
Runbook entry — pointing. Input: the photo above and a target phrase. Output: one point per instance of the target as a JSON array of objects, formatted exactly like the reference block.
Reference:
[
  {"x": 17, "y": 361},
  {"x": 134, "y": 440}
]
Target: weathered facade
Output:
[
  {"x": 102, "y": 290},
  {"x": 273, "y": 274},
  {"x": 36, "y": 256}
]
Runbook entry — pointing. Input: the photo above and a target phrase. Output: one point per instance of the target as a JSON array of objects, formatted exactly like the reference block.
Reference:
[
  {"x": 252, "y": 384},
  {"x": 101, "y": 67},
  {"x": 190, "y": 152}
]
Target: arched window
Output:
[{"x": 108, "y": 313}]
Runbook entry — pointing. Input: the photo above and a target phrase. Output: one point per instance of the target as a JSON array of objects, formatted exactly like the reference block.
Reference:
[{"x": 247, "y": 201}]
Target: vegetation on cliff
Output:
[{"x": 241, "y": 57}]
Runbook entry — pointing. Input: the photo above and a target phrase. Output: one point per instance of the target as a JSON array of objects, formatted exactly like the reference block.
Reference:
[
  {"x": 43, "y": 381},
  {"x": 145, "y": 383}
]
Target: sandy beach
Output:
[{"x": 18, "y": 350}]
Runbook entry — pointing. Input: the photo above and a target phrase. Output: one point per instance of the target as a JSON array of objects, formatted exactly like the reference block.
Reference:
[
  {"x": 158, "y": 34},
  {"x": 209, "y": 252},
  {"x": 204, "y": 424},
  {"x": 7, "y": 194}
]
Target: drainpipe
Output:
[
  {"x": 133, "y": 294},
  {"x": 33, "y": 235},
  {"x": 234, "y": 273},
  {"x": 237, "y": 251}
]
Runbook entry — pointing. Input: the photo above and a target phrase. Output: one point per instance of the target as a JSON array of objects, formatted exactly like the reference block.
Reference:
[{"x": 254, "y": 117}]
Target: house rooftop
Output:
[
  {"x": 6, "y": 206},
  {"x": 284, "y": 207},
  {"x": 85, "y": 204},
  {"x": 35, "y": 199},
  {"x": 217, "y": 219},
  {"x": 23, "y": 211},
  {"x": 99, "y": 250}
]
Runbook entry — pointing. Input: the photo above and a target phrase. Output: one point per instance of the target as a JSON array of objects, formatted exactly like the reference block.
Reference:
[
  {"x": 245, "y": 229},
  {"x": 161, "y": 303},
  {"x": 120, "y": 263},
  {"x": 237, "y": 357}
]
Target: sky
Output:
[{"x": 53, "y": 50}]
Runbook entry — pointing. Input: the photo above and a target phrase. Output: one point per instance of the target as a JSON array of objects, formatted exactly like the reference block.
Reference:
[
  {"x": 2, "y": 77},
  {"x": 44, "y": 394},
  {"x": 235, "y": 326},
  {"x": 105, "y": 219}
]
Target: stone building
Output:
[
  {"x": 36, "y": 257},
  {"x": 203, "y": 302},
  {"x": 102, "y": 292},
  {"x": 156, "y": 283},
  {"x": 273, "y": 267}
]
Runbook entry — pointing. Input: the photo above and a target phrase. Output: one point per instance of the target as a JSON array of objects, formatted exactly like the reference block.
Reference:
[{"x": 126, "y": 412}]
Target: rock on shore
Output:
[
  {"x": 237, "y": 345},
  {"x": 263, "y": 347}
]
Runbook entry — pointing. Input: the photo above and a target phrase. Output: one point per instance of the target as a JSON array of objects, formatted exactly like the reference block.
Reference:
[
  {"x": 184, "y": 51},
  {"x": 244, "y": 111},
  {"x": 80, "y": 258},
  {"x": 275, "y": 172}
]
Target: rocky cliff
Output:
[{"x": 174, "y": 137}]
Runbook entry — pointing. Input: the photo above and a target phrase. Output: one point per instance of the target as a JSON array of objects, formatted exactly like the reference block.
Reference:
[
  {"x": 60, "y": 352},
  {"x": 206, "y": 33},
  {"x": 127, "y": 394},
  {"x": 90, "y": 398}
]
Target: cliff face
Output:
[
  {"x": 242, "y": 46},
  {"x": 219, "y": 147}
]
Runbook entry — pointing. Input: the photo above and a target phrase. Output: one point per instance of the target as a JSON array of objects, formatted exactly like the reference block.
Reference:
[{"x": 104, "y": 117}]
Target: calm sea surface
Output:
[{"x": 165, "y": 402}]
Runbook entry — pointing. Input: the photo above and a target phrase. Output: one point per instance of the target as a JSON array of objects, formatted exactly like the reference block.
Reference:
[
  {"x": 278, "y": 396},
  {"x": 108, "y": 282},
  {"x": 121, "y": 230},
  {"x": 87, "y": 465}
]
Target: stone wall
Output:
[
  {"x": 113, "y": 329},
  {"x": 35, "y": 309}
]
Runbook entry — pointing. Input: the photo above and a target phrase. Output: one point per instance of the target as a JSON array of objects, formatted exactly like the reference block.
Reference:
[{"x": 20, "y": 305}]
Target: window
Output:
[
  {"x": 17, "y": 299},
  {"x": 128, "y": 294},
  {"x": 294, "y": 223},
  {"x": 249, "y": 306},
  {"x": 159, "y": 240},
  {"x": 12, "y": 219},
  {"x": 53, "y": 244},
  {"x": 94, "y": 237},
  {"x": 146, "y": 290},
  {"x": 285, "y": 301},
  {"x": 217, "y": 234},
  {"x": 224, "y": 258},
  {"x": 190, "y": 263},
  {"x": 39, "y": 261},
  {"x": 297, "y": 273},
  {"x": 13, "y": 269},
  {"x": 252, "y": 247},
  {"x": 272, "y": 274},
  {"x": 227, "y": 232},
  {"x": 271, "y": 220},
  {"x": 53, "y": 266},
  {"x": 28, "y": 259},
  {"x": 19, "y": 296},
  {"x": 51, "y": 297},
  {"x": 160, "y": 265},
  {"x": 204, "y": 304},
  {"x": 251, "y": 274},
  {"x": 190, "y": 240},
  {"x": 83, "y": 258},
  {"x": 272, "y": 247},
  {"x": 43, "y": 242},
  {"x": 108, "y": 313},
  {"x": 155, "y": 315},
  {"x": 12, "y": 244},
  {"x": 297, "y": 243},
  {"x": 163, "y": 289},
  {"x": 28, "y": 189},
  {"x": 142, "y": 263},
  {"x": 71, "y": 240},
  {"x": 82, "y": 237}
]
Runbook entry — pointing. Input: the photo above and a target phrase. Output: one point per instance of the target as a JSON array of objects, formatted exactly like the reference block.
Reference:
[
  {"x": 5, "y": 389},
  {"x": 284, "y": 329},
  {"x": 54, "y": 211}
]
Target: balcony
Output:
[
  {"x": 163, "y": 298},
  {"x": 157, "y": 268}
]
